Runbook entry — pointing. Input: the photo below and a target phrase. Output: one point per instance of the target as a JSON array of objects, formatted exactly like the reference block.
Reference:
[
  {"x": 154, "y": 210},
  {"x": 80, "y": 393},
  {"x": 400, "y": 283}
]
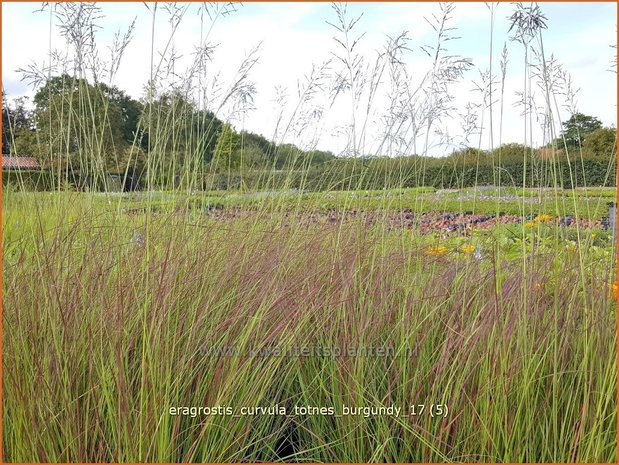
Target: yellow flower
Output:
[
  {"x": 530, "y": 224},
  {"x": 436, "y": 250},
  {"x": 538, "y": 286},
  {"x": 468, "y": 248},
  {"x": 544, "y": 218}
]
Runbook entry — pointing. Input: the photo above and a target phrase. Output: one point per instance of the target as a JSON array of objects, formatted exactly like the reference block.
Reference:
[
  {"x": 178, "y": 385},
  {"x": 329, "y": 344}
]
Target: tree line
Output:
[{"x": 97, "y": 129}]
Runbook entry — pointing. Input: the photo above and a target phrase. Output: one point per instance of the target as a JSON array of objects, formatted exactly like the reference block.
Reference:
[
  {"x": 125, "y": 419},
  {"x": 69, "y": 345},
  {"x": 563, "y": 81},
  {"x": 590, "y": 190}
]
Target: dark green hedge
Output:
[
  {"x": 32, "y": 180},
  {"x": 378, "y": 173},
  {"x": 535, "y": 173}
]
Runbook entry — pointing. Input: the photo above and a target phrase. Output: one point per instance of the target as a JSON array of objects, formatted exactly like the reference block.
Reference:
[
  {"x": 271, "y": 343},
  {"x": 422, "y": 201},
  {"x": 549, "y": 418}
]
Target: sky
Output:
[{"x": 294, "y": 37}]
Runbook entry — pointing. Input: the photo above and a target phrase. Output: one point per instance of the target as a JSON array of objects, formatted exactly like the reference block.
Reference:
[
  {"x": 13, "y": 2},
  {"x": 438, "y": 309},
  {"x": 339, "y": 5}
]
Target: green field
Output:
[{"x": 499, "y": 344}]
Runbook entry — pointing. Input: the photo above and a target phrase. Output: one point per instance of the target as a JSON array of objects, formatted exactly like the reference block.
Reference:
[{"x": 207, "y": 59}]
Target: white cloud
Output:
[{"x": 295, "y": 35}]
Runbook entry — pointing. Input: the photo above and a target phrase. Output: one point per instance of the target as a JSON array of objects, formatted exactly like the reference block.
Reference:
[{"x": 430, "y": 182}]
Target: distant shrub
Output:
[{"x": 32, "y": 180}]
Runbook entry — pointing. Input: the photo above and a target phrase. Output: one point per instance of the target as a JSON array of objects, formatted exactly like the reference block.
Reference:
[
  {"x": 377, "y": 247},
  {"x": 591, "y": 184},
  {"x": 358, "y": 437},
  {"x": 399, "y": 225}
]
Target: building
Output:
[{"x": 19, "y": 163}]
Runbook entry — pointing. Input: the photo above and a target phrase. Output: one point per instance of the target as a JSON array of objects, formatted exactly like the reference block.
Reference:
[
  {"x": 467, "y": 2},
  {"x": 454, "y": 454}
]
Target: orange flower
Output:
[
  {"x": 614, "y": 287},
  {"x": 539, "y": 287}
]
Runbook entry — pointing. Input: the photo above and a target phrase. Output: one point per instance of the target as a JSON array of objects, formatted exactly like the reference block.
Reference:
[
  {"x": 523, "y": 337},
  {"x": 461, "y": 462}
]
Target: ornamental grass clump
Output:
[
  {"x": 248, "y": 297},
  {"x": 468, "y": 335}
]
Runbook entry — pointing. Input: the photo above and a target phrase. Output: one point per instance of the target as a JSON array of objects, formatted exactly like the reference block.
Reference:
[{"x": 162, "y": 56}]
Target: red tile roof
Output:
[{"x": 19, "y": 163}]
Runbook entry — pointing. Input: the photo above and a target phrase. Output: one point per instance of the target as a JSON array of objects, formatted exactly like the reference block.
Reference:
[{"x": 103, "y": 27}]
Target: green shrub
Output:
[{"x": 31, "y": 180}]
